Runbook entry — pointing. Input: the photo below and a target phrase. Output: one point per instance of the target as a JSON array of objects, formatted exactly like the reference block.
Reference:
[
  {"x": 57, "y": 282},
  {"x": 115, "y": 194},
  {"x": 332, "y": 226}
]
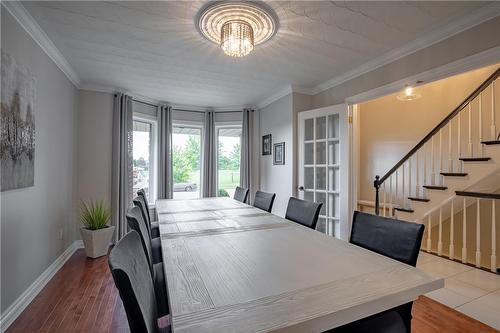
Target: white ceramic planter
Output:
[{"x": 97, "y": 241}]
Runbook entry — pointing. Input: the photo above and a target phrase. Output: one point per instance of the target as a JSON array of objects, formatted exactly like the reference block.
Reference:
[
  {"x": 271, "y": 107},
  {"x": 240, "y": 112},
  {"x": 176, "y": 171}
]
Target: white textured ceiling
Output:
[{"x": 153, "y": 48}]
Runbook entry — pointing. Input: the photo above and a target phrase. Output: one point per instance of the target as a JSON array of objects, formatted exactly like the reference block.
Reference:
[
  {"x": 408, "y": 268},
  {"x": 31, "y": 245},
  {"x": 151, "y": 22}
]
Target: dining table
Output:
[{"x": 231, "y": 267}]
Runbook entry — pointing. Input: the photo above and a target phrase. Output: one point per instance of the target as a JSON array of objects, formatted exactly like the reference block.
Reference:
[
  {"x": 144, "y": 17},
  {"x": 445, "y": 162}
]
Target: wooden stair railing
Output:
[{"x": 436, "y": 134}]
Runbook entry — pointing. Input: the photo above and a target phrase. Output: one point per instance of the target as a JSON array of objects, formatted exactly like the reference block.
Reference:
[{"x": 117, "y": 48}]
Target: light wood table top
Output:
[{"x": 251, "y": 271}]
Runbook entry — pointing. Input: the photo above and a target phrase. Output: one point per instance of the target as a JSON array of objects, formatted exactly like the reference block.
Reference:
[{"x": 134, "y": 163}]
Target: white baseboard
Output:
[{"x": 18, "y": 306}]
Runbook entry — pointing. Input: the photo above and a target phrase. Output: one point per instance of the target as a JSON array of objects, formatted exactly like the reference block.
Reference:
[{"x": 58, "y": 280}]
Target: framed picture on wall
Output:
[
  {"x": 266, "y": 144},
  {"x": 279, "y": 154}
]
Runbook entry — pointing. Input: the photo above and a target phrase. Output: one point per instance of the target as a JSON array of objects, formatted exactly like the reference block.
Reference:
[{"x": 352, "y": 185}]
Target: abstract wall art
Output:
[{"x": 17, "y": 125}]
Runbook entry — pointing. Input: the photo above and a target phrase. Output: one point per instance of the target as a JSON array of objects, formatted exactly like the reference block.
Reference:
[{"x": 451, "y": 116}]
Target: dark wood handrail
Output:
[
  {"x": 443, "y": 123},
  {"x": 494, "y": 196}
]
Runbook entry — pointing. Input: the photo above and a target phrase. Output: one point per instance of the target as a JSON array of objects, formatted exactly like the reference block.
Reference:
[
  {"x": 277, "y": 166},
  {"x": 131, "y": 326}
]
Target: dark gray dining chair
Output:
[
  {"x": 153, "y": 227},
  {"x": 399, "y": 240},
  {"x": 264, "y": 200},
  {"x": 241, "y": 194},
  {"x": 130, "y": 271},
  {"x": 303, "y": 212},
  {"x": 152, "y": 249}
]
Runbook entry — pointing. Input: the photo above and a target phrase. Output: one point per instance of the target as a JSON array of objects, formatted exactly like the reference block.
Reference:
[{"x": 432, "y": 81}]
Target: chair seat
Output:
[
  {"x": 160, "y": 289},
  {"x": 156, "y": 250},
  {"x": 155, "y": 230},
  {"x": 385, "y": 322}
]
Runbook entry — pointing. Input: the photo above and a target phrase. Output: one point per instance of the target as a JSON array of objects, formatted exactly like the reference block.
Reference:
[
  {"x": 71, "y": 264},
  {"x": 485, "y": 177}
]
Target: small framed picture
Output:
[
  {"x": 266, "y": 144},
  {"x": 279, "y": 154}
]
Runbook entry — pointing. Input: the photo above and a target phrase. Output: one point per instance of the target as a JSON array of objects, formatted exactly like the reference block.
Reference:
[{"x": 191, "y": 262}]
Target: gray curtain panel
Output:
[
  {"x": 246, "y": 152},
  {"x": 209, "y": 176},
  {"x": 122, "y": 177},
  {"x": 165, "y": 175}
]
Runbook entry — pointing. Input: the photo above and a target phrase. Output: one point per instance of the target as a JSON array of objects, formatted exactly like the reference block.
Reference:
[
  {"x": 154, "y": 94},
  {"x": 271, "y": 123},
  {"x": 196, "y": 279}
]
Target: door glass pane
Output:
[
  {"x": 333, "y": 205},
  {"x": 333, "y": 126},
  {"x": 320, "y": 153},
  {"x": 321, "y": 197},
  {"x": 321, "y": 226},
  {"x": 309, "y": 153},
  {"x": 309, "y": 178},
  {"x": 321, "y": 178},
  {"x": 333, "y": 148},
  {"x": 309, "y": 196},
  {"x": 321, "y": 128},
  {"x": 228, "y": 164},
  {"x": 333, "y": 179},
  {"x": 309, "y": 129},
  {"x": 186, "y": 161}
]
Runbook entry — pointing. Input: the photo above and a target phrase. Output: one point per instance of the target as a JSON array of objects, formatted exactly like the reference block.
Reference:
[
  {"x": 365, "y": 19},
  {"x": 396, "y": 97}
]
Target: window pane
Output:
[
  {"x": 186, "y": 161},
  {"x": 143, "y": 165},
  {"x": 228, "y": 164}
]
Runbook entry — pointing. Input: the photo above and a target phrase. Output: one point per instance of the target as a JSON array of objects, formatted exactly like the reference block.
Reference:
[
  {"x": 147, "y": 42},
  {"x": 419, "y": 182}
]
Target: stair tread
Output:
[
  {"x": 401, "y": 209},
  {"x": 419, "y": 199},
  {"x": 475, "y": 159},
  {"x": 478, "y": 194},
  {"x": 491, "y": 142},
  {"x": 454, "y": 174},
  {"x": 436, "y": 187}
]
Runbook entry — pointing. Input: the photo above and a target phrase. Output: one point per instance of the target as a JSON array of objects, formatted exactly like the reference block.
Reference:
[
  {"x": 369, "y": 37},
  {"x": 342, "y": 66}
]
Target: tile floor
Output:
[{"x": 471, "y": 291}]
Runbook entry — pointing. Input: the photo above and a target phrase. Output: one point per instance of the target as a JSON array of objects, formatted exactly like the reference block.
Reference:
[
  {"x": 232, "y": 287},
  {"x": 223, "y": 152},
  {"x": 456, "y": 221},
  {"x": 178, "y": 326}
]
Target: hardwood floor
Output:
[{"x": 82, "y": 298}]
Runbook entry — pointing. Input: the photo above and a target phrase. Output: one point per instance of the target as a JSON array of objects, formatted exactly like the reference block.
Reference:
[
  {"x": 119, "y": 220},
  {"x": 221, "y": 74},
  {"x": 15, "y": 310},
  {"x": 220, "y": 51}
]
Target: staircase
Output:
[{"x": 445, "y": 173}]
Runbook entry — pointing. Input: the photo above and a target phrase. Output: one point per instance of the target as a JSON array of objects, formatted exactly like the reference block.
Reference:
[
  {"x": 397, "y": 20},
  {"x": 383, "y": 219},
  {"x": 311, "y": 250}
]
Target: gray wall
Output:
[
  {"x": 477, "y": 39},
  {"x": 32, "y": 217},
  {"x": 95, "y": 117},
  {"x": 277, "y": 119}
]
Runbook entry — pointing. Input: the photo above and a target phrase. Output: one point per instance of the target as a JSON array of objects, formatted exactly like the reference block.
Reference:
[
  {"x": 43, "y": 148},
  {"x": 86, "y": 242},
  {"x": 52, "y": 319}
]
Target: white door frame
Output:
[{"x": 344, "y": 154}]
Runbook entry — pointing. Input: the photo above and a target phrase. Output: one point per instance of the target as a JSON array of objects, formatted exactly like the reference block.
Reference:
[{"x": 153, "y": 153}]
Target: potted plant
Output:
[{"x": 95, "y": 231}]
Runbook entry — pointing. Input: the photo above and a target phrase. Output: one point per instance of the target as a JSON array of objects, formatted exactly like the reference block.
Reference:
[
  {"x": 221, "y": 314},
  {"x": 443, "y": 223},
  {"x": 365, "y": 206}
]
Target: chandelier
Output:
[
  {"x": 237, "y": 27},
  {"x": 408, "y": 94}
]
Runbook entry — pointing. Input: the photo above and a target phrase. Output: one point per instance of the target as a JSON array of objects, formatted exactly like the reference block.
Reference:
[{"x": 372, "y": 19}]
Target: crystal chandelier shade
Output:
[{"x": 236, "y": 38}]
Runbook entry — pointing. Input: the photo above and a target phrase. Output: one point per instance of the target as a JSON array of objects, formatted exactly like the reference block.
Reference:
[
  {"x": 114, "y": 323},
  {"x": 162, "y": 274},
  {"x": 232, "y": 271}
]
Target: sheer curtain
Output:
[
  {"x": 122, "y": 159},
  {"x": 246, "y": 152},
  {"x": 165, "y": 175},
  {"x": 209, "y": 176}
]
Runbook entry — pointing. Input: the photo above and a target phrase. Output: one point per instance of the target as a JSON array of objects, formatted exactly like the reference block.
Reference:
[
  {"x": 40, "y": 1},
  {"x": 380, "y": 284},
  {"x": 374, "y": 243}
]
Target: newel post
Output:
[{"x": 376, "y": 184}]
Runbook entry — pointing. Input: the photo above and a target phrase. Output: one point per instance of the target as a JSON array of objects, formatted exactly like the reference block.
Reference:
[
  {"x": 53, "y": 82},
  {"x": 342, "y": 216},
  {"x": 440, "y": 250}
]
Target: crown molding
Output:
[
  {"x": 453, "y": 28},
  {"x": 282, "y": 93},
  {"x": 24, "y": 18}
]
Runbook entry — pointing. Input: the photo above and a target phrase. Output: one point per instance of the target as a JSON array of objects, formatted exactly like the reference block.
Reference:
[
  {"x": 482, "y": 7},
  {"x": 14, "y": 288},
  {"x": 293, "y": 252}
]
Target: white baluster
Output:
[
  {"x": 478, "y": 235},
  {"x": 493, "y": 238},
  {"x": 452, "y": 231},
  {"x": 396, "y": 200},
  {"x": 493, "y": 125},
  {"x": 409, "y": 177},
  {"x": 459, "y": 141},
  {"x": 385, "y": 205},
  {"x": 440, "y": 233},
  {"x": 429, "y": 233},
  {"x": 390, "y": 196},
  {"x": 433, "y": 166},
  {"x": 469, "y": 146},
  {"x": 464, "y": 233},
  {"x": 424, "y": 191},
  {"x": 417, "y": 176},
  {"x": 441, "y": 178},
  {"x": 450, "y": 150},
  {"x": 481, "y": 148},
  {"x": 403, "y": 198}
]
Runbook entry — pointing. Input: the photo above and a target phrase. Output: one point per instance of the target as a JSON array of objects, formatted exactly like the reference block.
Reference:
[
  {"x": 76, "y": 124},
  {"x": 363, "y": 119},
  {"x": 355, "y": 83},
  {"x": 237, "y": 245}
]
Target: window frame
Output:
[
  {"x": 153, "y": 153},
  {"x": 200, "y": 126},
  {"x": 218, "y": 126}
]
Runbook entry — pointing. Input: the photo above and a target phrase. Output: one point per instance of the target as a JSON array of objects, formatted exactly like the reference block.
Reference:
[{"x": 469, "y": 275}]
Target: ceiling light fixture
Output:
[
  {"x": 408, "y": 94},
  {"x": 237, "y": 26}
]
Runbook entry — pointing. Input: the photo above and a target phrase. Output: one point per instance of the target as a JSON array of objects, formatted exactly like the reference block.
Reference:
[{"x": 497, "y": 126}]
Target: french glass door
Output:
[{"x": 322, "y": 160}]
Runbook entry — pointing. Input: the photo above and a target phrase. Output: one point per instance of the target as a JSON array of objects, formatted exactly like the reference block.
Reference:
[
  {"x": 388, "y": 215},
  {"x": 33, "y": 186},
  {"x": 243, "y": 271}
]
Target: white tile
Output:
[
  {"x": 463, "y": 288},
  {"x": 484, "y": 280},
  {"x": 444, "y": 268},
  {"x": 425, "y": 257},
  {"x": 481, "y": 311},
  {"x": 492, "y": 300},
  {"x": 448, "y": 297}
]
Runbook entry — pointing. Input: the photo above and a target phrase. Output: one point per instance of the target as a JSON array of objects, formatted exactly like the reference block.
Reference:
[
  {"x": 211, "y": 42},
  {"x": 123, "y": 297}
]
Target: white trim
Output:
[
  {"x": 460, "y": 66},
  {"x": 18, "y": 306},
  {"x": 282, "y": 93},
  {"x": 475, "y": 18},
  {"x": 17, "y": 10}
]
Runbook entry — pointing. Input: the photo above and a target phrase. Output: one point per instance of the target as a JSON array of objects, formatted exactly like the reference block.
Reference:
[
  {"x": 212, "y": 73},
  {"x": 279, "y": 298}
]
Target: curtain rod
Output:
[{"x": 184, "y": 110}]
